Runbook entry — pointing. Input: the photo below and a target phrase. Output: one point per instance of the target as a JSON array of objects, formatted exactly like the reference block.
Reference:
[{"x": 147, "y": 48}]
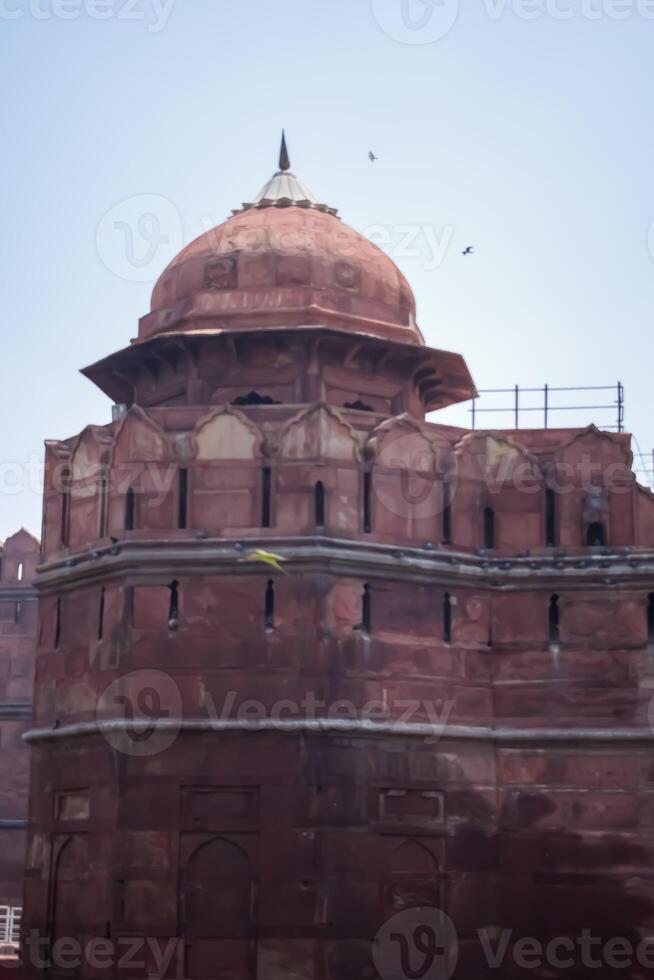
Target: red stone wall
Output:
[
  {"x": 225, "y": 450},
  {"x": 18, "y": 558},
  {"x": 281, "y": 853}
]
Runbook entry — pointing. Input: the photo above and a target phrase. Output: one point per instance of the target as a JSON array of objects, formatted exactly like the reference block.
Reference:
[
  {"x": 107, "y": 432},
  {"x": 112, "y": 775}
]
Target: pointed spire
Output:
[
  {"x": 284, "y": 190},
  {"x": 284, "y": 159}
]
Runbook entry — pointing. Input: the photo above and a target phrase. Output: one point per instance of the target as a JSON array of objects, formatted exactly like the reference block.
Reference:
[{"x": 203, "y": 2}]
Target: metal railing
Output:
[
  {"x": 10, "y": 917},
  {"x": 549, "y": 405}
]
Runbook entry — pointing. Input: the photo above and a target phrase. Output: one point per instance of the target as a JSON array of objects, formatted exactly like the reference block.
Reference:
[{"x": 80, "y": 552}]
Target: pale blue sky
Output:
[{"x": 529, "y": 138}]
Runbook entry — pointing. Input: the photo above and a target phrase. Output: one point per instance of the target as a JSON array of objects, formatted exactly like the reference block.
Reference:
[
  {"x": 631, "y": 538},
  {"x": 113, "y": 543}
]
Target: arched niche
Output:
[
  {"x": 318, "y": 473},
  {"x": 227, "y": 434},
  {"x": 139, "y": 439},
  {"x": 414, "y": 878},
  {"x": 318, "y": 433},
  {"x": 217, "y": 891},
  {"x": 71, "y": 864},
  {"x": 55, "y": 498},
  {"x": 500, "y": 498},
  {"x": 229, "y": 478},
  {"x": 403, "y": 482},
  {"x": 595, "y": 485},
  {"x": 143, "y": 462},
  {"x": 88, "y": 486}
]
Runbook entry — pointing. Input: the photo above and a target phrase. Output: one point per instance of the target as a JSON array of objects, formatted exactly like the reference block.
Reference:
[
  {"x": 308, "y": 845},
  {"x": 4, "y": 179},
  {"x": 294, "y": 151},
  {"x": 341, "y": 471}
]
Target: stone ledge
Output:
[
  {"x": 352, "y": 557},
  {"x": 361, "y": 728},
  {"x": 12, "y": 712}
]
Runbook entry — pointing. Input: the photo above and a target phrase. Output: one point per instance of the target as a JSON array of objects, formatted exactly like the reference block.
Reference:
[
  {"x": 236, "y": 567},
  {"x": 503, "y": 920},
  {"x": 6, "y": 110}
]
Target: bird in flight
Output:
[
  {"x": 372, "y": 157},
  {"x": 268, "y": 558},
  {"x": 468, "y": 250}
]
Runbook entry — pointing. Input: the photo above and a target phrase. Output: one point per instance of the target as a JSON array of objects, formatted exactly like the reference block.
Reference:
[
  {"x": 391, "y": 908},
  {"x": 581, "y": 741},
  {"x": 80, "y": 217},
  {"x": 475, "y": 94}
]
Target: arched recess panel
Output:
[
  {"x": 217, "y": 907},
  {"x": 143, "y": 461},
  {"x": 499, "y": 494},
  {"x": 57, "y": 466},
  {"x": 318, "y": 475},
  {"x": 406, "y": 486},
  {"x": 414, "y": 878},
  {"x": 87, "y": 472},
  {"x": 227, "y": 478},
  {"x": 218, "y": 890},
  {"x": 68, "y": 907}
]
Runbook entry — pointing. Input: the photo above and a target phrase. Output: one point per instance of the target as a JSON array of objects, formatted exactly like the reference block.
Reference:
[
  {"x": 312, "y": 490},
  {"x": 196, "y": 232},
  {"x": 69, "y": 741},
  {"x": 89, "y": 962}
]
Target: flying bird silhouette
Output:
[
  {"x": 372, "y": 157},
  {"x": 468, "y": 250}
]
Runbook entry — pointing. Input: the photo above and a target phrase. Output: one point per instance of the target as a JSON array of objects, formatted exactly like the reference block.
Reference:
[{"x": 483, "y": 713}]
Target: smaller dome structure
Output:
[{"x": 283, "y": 260}]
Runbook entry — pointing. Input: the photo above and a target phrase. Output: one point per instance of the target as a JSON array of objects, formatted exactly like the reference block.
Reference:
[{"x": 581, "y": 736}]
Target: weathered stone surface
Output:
[
  {"x": 443, "y": 699},
  {"x": 18, "y": 624}
]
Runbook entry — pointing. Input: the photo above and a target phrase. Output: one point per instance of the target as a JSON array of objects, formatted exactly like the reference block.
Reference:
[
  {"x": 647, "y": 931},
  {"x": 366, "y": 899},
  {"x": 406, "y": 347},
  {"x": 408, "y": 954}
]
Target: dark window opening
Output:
[
  {"x": 320, "y": 504},
  {"x": 254, "y": 398},
  {"x": 57, "y": 636},
  {"x": 270, "y": 605},
  {"x": 550, "y": 518},
  {"x": 65, "y": 507},
  {"x": 130, "y": 509},
  {"x": 182, "y": 500},
  {"x": 367, "y": 502},
  {"x": 489, "y": 527},
  {"x": 101, "y": 614},
  {"x": 595, "y": 535},
  {"x": 554, "y": 618},
  {"x": 447, "y": 514},
  {"x": 366, "y": 610},
  {"x": 650, "y": 617},
  {"x": 266, "y": 481},
  {"x": 359, "y": 406},
  {"x": 447, "y": 618},
  {"x": 129, "y": 604},
  {"x": 173, "y": 609},
  {"x": 104, "y": 487}
]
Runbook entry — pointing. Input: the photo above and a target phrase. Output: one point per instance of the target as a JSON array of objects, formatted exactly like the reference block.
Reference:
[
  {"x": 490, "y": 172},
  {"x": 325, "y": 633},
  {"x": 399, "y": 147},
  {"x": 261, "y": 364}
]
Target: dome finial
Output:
[
  {"x": 284, "y": 190},
  {"x": 284, "y": 160}
]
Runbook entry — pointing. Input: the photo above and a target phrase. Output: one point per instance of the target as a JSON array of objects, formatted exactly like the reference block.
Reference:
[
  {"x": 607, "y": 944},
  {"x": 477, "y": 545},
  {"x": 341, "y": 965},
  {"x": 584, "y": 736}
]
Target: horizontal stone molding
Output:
[
  {"x": 343, "y": 726},
  {"x": 143, "y": 559},
  {"x": 13, "y": 712},
  {"x": 18, "y": 594}
]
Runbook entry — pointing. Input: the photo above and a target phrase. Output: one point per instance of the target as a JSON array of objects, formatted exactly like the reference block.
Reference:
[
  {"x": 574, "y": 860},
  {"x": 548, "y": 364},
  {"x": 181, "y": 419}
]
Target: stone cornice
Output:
[
  {"x": 15, "y": 712},
  {"x": 355, "y": 728},
  {"x": 149, "y": 559},
  {"x": 17, "y": 593},
  {"x": 447, "y": 380}
]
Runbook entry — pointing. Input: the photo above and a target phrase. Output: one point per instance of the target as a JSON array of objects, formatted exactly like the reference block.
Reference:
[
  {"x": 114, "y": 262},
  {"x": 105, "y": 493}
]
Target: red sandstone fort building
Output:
[{"x": 440, "y": 698}]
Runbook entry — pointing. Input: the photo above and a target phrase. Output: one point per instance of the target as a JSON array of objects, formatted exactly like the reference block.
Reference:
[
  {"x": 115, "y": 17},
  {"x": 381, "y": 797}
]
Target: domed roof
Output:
[{"x": 283, "y": 260}]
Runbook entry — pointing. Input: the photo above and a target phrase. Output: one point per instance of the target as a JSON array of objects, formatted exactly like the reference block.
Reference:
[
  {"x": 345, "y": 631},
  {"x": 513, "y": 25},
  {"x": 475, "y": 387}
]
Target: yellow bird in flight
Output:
[{"x": 268, "y": 558}]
